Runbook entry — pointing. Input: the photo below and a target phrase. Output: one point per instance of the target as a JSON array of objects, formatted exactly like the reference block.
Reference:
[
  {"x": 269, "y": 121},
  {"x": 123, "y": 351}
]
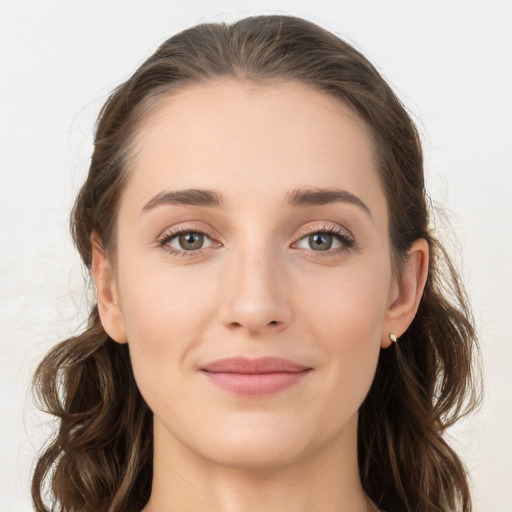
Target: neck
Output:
[{"x": 326, "y": 480}]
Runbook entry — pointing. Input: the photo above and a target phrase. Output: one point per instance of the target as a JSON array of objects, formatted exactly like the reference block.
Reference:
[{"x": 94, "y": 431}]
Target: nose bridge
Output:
[{"x": 255, "y": 296}]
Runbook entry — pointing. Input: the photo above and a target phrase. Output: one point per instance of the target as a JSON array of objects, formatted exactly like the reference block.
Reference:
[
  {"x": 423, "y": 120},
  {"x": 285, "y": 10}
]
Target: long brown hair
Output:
[{"x": 101, "y": 455}]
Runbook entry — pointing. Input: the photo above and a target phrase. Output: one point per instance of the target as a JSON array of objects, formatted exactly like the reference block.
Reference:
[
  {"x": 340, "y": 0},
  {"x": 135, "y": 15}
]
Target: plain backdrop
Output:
[{"x": 449, "y": 61}]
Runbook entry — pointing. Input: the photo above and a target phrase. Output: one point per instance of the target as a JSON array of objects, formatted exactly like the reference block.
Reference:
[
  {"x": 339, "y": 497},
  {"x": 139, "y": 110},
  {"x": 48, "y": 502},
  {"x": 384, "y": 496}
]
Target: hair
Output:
[{"x": 101, "y": 455}]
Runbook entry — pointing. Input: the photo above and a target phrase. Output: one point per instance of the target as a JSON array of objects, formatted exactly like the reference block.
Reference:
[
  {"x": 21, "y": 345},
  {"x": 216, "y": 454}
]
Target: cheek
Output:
[
  {"x": 164, "y": 303},
  {"x": 165, "y": 317},
  {"x": 345, "y": 316},
  {"x": 350, "y": 303}
]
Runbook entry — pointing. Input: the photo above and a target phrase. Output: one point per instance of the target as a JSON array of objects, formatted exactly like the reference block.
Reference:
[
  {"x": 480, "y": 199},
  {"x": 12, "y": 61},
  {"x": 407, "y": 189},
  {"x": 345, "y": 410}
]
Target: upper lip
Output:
[{"x": 254, "y": 366}]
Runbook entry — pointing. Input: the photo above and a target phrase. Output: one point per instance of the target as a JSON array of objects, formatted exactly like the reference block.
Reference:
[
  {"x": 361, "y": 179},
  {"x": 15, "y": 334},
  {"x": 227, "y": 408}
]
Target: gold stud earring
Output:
[{"x": 393, "y": 337}]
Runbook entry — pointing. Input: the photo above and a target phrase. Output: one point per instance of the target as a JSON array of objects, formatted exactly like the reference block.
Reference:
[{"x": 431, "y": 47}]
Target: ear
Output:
[
  {"x": 107, "y": 295},
  {"x": 406, "y": 292}
]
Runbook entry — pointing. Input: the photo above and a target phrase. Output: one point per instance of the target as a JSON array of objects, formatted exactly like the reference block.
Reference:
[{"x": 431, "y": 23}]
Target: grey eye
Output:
[
  {"x": 190, "y": 241},
  {"x": 320, "y": 241}
]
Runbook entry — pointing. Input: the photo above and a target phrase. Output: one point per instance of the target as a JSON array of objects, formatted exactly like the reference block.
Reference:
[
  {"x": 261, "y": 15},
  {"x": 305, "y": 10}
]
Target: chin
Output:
[
  {"x": 256, "y": 444},
  {"x": 255, "y": 454}
]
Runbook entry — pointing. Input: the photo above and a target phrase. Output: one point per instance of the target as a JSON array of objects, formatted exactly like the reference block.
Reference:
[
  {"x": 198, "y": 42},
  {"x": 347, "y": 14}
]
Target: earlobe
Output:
[
  {"x": 407, "y": 292},
  {"x": 107, "y": 295}
]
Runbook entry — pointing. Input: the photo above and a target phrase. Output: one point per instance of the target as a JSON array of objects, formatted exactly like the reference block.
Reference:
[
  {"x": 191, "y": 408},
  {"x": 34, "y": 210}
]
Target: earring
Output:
[{"x": 393, "y": 337}]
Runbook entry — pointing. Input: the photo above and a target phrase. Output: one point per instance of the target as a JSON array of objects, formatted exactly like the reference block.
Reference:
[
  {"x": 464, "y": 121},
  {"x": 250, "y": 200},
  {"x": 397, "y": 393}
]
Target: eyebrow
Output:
[
  {"x": 301, "y": 197},
  {"x": 323, "y": 196},
  {"x": 188, "y": 197}
]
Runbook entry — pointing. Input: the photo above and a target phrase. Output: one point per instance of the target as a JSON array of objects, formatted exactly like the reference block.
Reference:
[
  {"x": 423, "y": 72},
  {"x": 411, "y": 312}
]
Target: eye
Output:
[
  {"x": 190, "y": 241},
  {"x": 321, "y": 241},
  {"x": 185, "y": 241},
  {"x": 326, "y": 240}
]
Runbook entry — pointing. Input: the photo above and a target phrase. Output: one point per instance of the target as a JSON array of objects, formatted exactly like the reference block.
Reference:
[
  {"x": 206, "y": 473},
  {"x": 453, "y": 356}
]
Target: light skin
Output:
[{"x": 291, "y": 260}]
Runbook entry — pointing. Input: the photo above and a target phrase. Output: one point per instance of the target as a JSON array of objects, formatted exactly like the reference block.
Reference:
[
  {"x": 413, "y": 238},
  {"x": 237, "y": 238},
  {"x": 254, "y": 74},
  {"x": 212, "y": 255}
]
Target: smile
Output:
[{"x": 255, "y": 377}]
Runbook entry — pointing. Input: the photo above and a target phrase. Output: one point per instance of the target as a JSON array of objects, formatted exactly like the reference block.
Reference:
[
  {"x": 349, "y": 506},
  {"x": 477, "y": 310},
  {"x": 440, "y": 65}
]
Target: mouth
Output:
[{"x": 255, "y": 377}]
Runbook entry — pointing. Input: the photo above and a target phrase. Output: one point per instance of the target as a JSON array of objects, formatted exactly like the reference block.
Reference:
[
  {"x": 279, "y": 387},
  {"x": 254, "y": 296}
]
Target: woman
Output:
[{"x": 276, "y": 325}]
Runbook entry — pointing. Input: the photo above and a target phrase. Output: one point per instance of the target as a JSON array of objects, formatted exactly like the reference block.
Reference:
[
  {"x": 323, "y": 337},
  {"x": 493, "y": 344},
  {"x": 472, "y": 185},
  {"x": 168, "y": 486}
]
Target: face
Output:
[{"x": 253, "y": 226}]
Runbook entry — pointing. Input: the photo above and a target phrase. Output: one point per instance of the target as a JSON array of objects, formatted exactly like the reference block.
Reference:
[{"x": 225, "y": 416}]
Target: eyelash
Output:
[
  {"x": 170, "y": 235},
  {"x": 347, "y": 241}
]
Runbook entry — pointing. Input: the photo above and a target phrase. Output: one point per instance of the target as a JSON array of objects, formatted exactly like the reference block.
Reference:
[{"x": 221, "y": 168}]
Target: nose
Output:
[{"x": 256, "y": 296}]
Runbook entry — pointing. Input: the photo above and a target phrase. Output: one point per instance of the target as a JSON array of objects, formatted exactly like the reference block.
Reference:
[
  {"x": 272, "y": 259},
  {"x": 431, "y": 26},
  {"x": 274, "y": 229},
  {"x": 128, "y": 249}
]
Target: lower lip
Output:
[{"x": 257, "y": 384}]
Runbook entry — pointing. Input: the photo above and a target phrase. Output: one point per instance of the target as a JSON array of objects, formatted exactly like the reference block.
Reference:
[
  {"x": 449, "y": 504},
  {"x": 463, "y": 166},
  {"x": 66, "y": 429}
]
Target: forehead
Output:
[{"x": 242, "y": 137}]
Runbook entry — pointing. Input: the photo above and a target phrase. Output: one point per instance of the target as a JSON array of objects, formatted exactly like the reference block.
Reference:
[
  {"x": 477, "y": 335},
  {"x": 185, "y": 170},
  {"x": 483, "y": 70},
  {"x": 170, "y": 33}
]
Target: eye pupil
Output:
[
  {"x": 320, "y": 241},
  {"x": 191, "y": 241}
]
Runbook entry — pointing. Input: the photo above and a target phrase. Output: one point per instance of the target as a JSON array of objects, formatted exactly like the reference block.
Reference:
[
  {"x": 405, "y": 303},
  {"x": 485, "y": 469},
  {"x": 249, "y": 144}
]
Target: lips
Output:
[
  {"x": 255, "y": 377},
  {"x": 254, "y": 366}
]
